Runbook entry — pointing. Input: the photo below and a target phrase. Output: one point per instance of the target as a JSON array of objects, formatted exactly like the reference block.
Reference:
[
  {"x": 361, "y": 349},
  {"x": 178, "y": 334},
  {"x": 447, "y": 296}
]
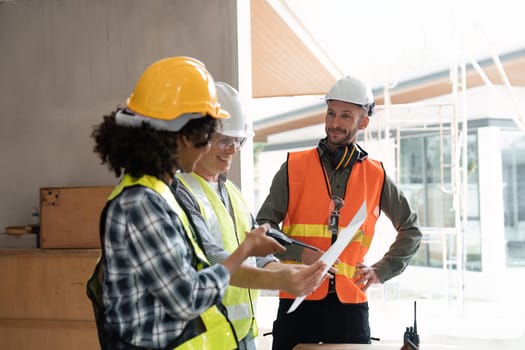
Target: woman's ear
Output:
[{"x": 184, "y": 140}]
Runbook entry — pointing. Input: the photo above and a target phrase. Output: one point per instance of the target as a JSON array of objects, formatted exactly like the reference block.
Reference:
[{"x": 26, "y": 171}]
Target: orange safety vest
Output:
[{"x": 308, "y": 214}]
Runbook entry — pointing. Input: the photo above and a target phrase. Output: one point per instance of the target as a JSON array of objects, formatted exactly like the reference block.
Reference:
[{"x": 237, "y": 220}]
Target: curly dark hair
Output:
[{"x": 144, "y": 150}]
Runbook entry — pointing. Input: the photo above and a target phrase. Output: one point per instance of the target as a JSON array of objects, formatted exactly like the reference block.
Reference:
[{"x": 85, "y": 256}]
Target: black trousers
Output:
[{"x": 320, "y": 321}]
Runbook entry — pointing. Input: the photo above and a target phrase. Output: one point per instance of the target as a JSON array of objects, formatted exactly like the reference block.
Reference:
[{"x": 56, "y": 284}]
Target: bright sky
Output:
[
  {"x": 388, "y": 41},
  {"x": 392, "y": 40}
]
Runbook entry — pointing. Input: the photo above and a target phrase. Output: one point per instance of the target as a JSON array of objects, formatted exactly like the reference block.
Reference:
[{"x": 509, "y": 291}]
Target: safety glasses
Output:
[{"x": 224, "y": 142}]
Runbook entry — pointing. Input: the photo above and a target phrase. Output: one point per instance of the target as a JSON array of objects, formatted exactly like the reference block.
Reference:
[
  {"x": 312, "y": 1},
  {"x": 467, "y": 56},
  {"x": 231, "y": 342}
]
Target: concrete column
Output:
[
  {"x": 491, "y": 209},
  {"x": 241, "y": 172}
]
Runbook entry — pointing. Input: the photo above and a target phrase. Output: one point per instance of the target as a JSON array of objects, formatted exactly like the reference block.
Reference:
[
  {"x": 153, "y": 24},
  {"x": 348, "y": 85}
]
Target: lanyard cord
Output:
[
  {"x": 333, "y": 220},
  {"x": 326, "y": 179},
  {"x": 347, "y": 160}
]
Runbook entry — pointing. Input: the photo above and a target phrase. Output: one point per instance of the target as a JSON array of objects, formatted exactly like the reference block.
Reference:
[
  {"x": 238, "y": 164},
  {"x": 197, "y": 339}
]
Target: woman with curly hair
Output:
[{"x": 153, "y": 287}]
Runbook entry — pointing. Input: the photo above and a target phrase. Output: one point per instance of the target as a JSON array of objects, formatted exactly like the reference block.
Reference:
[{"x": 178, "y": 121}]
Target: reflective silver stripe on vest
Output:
[
  {"x": 238, "y": 312},
  {"x": 207, "y": 210}
]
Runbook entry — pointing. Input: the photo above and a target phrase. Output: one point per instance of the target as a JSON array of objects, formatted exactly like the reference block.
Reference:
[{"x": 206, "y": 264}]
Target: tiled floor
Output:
[{"x": 480, "y": 324}]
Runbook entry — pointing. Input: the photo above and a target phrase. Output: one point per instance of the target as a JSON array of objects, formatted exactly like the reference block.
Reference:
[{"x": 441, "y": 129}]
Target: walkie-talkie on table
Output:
[{"x": 411, "y": 338}]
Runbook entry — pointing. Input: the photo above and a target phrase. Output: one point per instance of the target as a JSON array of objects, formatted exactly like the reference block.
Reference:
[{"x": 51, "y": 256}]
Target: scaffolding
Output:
[
  {"x": 448, "y": 118},
  {"x": 448, "y": 121}
]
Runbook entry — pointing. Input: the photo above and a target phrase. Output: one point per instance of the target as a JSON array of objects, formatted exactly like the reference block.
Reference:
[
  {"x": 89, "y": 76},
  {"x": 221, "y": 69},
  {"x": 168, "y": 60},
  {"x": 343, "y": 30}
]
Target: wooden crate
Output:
[{"x": 69, "y": 216}]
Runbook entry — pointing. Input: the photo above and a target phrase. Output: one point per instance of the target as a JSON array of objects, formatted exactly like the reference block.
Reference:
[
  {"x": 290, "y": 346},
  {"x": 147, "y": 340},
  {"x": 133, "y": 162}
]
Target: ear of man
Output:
[{"x": 364, "y": 122}]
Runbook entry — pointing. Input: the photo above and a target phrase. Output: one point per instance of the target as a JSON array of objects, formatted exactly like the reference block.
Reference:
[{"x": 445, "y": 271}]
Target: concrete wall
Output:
[{"x": 63, "y": 64}]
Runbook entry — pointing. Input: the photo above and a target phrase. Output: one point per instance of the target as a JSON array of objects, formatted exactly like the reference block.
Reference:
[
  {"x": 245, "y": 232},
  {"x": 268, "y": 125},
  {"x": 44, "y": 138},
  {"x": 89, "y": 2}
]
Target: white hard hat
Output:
[
  {"x": 238, "y": 125},
  {"x": 352, "y": 90}
]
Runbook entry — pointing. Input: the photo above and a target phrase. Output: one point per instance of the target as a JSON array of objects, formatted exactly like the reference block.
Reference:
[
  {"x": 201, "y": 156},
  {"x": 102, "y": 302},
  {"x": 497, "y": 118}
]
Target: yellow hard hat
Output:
[{"x": 174, "y": 87}]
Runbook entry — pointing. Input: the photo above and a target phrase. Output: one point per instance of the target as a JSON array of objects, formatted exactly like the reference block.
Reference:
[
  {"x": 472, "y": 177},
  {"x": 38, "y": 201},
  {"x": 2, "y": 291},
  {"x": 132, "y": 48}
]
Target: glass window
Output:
[
  {"x": 426, "y": 178},
  {"x": 513, "y": 159}
]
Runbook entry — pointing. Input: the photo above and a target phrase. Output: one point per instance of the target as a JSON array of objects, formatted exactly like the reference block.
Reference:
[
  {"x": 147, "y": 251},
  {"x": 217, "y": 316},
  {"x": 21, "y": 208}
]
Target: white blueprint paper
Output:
[{"x": 344, "y": 237}]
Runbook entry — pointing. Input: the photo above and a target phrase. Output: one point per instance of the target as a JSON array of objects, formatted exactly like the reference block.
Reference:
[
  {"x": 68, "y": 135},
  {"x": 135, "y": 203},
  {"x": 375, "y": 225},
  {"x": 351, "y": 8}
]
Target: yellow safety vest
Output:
[
  {"x": 229, "y": 233},
  {"x": 219, "y": 334}
]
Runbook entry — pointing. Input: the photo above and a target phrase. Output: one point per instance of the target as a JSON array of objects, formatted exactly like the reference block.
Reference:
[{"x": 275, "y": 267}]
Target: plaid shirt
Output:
[{"x": 151, "y": 287}]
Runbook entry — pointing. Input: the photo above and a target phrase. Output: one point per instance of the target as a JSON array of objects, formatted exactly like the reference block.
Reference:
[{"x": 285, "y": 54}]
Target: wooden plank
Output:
[
  {"x": 46, "y": 284},
  {"x": 48, "y": 335}
]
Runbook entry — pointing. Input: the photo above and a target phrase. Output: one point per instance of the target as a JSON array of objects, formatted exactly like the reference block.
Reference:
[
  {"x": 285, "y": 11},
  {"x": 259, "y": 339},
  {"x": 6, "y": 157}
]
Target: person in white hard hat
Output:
[
  {"x": 227, "y": 218},
  {"x": 317, "y": 192}
]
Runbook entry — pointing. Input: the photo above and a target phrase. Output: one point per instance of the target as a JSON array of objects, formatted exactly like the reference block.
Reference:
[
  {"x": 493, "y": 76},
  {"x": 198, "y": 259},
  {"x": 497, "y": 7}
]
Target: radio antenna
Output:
[{"x": 415, "y": 322}]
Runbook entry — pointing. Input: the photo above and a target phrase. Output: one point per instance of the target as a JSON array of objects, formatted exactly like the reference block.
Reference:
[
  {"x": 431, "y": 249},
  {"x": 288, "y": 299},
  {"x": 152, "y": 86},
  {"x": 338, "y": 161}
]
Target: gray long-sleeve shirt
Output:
[{"x": 393, "y": 204}]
